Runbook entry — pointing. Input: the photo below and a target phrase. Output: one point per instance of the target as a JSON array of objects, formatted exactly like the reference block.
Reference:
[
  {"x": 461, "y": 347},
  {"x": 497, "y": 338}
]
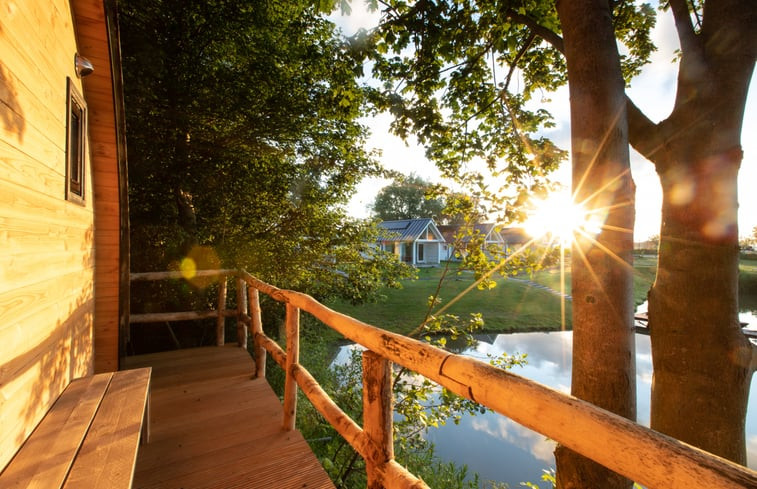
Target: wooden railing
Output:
[{"x": 642, "y": 455}]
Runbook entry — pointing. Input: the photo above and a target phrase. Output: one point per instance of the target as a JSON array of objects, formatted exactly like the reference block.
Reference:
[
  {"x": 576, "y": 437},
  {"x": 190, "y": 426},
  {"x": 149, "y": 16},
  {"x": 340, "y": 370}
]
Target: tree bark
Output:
[
  {"x": 702, "y": 361},
  {"x": 603, "y": 334}
]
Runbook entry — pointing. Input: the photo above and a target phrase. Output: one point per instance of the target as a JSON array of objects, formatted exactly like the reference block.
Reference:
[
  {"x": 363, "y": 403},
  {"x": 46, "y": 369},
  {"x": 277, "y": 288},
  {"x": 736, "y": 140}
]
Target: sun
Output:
[{"x": 558, "y": 218}]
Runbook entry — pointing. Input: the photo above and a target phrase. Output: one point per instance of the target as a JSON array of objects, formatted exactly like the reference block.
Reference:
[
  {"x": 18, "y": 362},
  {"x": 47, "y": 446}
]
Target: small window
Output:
[{"x": 76, "y": 130}]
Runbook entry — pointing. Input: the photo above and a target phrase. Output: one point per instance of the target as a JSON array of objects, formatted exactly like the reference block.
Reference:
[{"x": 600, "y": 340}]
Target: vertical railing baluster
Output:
[
  {"x": 377, "y": 412},
  {"x": 241, "y": 313},
  {"x": 221, "y": 321},
  {"x": 293, "y": 358},
  {"x": 257, "y": 332}
]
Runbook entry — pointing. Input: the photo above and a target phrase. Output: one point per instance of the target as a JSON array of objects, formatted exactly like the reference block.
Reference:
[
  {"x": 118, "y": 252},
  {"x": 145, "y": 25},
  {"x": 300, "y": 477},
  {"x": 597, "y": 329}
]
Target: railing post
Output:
[
  {"x": 241, "y": 313},
  {"x": 293, "y": 358},
  {"x": 221, "y": 321},
  {"x": 377, "y": 413},
  {"x": 257, "y": 332}
]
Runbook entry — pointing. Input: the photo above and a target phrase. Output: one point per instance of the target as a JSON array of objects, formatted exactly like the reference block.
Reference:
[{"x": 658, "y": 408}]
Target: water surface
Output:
[
  {"x": 502, "y": 450},
  {"x": 499, "y": 449}
]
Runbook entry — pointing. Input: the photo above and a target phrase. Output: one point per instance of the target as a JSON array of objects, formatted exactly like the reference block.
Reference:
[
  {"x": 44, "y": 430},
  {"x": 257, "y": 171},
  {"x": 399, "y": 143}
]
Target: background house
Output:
[
  {"x": 457, "y": 238},
  {"x": 514, "y": 238},
  {"x": 414, "y": 241}
]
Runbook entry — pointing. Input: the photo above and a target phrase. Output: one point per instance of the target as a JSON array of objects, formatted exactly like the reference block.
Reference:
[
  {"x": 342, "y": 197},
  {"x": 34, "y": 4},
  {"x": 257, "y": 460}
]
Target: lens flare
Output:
[
  {"x": 558, "y": 218},
  {"x": 188, "y": 268}
]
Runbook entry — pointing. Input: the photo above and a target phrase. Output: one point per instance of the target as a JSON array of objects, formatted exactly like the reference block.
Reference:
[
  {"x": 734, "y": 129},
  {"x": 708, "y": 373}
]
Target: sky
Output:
[{"x": 653, "y": 91}]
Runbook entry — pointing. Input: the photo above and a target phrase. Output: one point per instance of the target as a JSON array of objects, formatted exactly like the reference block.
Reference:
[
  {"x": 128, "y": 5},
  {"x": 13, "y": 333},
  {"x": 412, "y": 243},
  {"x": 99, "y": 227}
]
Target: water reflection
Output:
[
  {"x": 500, "y": 449},
  {"x": 747, "y": 311}
]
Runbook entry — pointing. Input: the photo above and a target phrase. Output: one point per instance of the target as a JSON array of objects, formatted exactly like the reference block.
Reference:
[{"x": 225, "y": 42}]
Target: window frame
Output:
[{"x": 76, "y": 151}]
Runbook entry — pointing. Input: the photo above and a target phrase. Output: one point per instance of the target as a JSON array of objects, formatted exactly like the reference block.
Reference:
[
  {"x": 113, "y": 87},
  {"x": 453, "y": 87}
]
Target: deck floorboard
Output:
[{"x": 213, "y": 426}]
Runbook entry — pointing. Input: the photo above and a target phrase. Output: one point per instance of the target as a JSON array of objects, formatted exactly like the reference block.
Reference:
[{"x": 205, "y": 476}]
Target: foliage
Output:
[
  {"x": 749, "y": 241},
  {"x": 464, "y": 77},
  {"x": 244, "y": 141},
  {"x": 546, "y": 476},
  {"x": 407, "y": 198}
]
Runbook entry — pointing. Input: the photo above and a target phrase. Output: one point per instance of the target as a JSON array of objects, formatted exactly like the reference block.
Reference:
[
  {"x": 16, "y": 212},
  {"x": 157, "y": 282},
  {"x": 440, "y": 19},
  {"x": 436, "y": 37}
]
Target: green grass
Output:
[
  {"x": 644, "y": 269},
  {"x": 513, "y": 305},
  {"x": 748, "y": 285},
  {"x": 510, "y": 306}
]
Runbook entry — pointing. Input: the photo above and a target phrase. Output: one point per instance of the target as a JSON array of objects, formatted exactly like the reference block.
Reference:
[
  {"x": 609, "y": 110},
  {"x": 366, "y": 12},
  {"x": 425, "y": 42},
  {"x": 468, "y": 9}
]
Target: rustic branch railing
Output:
[{"x": 642, "y": 455}]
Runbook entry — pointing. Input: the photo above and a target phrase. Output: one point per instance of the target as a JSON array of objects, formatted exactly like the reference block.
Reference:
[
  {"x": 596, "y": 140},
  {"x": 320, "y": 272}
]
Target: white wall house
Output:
[
  {"x": 415, "y": 241},
  {"x": 457, "y": 239}
]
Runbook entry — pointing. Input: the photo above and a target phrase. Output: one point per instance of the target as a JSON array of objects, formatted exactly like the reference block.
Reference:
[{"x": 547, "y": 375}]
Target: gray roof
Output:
[
  {"x": 450, "y": 230},
  {"x": 514, "y": 235},
  {"x": 405, "y": 230}
]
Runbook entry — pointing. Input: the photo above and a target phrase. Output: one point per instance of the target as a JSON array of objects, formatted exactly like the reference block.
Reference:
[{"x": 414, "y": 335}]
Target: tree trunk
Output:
[
  {"x": 603, "y": 334},
  {"x": 702, "y": 361}
]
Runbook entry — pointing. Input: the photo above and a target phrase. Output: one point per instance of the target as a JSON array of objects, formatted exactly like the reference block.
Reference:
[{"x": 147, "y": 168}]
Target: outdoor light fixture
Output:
[{"x": 83, "y": 66}]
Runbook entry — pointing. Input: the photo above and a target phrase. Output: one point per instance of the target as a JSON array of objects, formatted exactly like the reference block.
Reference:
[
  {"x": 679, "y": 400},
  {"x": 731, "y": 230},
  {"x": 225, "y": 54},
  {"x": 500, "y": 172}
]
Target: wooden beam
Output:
[
  {"x": 279, "y": 355},
  {"x": 241, "y": 313},
  {"x": 253, "y": 299},
  {"x": 156, "y": 317},
  {"x": 377, "y": 413},
  {"x": 221, "y": 321},
  {"x": 342, "y": 423},
  {"x": 176, "y": 274},
  {"x": 292, "y": 359}
]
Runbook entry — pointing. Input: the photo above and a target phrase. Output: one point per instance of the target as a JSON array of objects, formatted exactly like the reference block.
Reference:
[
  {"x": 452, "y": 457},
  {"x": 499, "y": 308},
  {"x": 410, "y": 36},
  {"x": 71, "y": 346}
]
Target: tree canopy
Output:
[
  {"x": 244, "y": 140},
  {"x": 408, "y": 197}
]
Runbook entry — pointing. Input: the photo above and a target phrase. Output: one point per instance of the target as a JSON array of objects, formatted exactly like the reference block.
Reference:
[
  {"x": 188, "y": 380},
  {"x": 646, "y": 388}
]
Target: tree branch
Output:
[
  {"x": 541, "y": 31},
  {"x": 643, "y": 134},
  {"x": 686, "y": 34},
  {"x": 518, "y": 56},
  {"x": 696, "y": 14}
]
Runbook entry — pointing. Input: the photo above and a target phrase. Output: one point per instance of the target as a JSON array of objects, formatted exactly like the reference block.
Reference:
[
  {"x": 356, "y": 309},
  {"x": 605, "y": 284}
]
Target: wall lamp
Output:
[{"x": 83, "y": 66}]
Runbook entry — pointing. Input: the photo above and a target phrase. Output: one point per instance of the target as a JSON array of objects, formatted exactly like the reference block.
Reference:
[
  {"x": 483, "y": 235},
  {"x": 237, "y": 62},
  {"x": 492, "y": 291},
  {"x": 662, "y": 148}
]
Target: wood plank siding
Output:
[
  {"x": 96, "y": 30},
  {"x": 213, "y": 425},
  {"x": 52, "y": 266}
]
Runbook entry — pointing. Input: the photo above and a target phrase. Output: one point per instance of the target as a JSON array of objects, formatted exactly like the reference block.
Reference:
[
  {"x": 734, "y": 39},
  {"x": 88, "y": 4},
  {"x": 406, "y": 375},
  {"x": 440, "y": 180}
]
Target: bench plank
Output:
[
  {"x": 109, "y": 452},
  {"x": 46, "y": 457}
]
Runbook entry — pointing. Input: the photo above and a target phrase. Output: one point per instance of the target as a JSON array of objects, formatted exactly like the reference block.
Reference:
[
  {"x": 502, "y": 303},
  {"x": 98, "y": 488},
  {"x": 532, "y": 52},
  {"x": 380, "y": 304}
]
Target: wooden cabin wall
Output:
[
  {"x": 99, "y": 43},
  {"x": 46, "y": 242}
]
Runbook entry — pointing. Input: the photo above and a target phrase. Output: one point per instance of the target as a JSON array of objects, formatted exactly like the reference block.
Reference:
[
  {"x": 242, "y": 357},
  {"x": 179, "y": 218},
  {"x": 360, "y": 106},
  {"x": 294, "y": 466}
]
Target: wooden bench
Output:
[{"x": 89, "y": 437}]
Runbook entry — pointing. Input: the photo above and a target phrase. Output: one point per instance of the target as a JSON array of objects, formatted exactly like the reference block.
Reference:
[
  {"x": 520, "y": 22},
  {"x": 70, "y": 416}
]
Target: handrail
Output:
[
  {"x": 220, "y": 313},
  {"x": 643, "y": 455}
]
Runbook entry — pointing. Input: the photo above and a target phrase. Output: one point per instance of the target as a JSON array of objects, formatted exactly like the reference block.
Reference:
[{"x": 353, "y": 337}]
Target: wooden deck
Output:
[{"x": 214, "y": 426}]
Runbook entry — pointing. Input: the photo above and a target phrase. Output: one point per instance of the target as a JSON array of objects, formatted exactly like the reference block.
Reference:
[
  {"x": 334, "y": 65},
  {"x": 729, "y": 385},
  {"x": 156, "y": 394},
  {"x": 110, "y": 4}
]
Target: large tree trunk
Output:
[
  {"x": 702, "y": 361},
  {"x": 603, "y": 335}
]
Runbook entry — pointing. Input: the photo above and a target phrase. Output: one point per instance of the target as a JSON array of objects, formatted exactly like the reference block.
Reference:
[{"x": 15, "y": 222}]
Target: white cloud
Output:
[{"x": 506, "y": 429}]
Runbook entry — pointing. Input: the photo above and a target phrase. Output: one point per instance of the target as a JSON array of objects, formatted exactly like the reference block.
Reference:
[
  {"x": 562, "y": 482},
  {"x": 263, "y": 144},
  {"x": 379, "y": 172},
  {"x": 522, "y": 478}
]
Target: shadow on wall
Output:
[
  {"x": 11, "y": 113},
  {"x": 34, "y": 377},
  {"x": 57, "y": 359}
]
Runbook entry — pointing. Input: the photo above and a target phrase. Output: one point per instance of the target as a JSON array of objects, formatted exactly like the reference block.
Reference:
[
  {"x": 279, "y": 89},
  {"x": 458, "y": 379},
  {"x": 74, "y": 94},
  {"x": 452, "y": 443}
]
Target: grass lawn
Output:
[
  {"x": 513, "y": 305},
  {"x": 510, "y": 306},
  {"x": 748, "y": 285},
  {"x": 644, "y": 269}
]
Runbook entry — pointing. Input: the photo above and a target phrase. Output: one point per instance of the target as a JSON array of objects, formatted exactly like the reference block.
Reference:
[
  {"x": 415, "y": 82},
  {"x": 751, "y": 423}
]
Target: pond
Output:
[
  {"x": 747, "y": 311},
  {"x": 499, "y": 449}
]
